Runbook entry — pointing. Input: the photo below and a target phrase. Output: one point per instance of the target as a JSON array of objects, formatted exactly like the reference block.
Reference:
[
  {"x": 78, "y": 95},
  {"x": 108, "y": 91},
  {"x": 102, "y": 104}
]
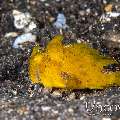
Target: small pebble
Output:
[
  {"x": 56, "y": 94},
  {"x": 107, "y": 17},
  {"x": 11, "y": 34},
  {"x": 71, "y": 96},
  {"x": 31, "y": 26},
  {"x": 60, "y": 22},
  {"x": 106, "y": 118},
  {"x": 82, "y": 98},
  {"x": 23, "y": 21},
  {"x": 42, "y": 0},
  {"x": 55, "y": 111},
  {"x": 28, "y": 37},
  {"x": 22, "y": 110},
  {"x": 108, "y": 8},
  {"x": 45, "y": 108},
  {"x": 70, "y": 110}
]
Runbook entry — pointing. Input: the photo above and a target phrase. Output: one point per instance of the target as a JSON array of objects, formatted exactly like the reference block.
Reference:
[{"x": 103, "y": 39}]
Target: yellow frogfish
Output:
[{"x": 74, "y": 66}]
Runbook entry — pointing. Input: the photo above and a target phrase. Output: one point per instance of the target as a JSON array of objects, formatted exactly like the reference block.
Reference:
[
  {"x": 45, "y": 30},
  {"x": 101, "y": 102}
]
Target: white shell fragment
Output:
[
  {"x": 60, "y": 22},
  {"x": 107, "y": 17},
  {"x": 23, "y": 20},
  {"x": 11, "y": 34},
  {"x": 31, "y": 26},
  {"x": 106, "y": 118},
  {"x": 113, "y": 14},
  {"x": 28, "y": 37}
]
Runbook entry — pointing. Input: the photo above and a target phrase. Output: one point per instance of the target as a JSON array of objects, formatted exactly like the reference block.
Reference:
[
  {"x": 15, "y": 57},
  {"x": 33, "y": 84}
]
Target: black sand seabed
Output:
[{"x": 19, "y": 99}]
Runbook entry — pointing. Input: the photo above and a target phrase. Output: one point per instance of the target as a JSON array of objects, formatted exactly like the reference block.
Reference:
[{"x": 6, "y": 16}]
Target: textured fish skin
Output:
[{"x": 76, "y": 66}]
